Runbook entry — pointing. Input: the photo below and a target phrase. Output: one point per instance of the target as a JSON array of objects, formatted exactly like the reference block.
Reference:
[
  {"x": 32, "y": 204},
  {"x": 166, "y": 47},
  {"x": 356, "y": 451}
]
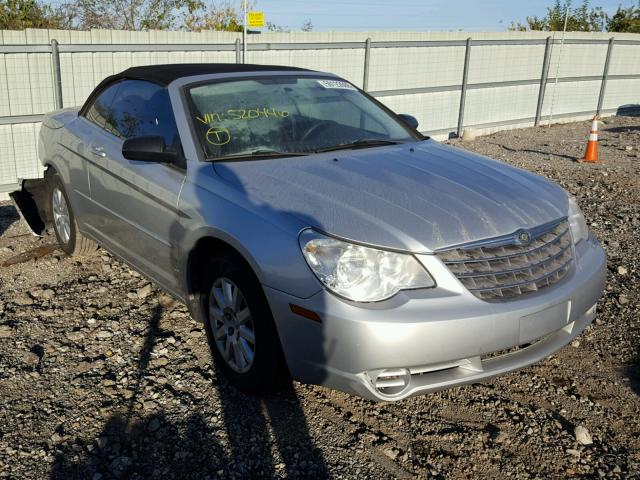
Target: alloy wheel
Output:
[
  {"x": 232, "y": 325},
  {"x": 61, "y": 218}
]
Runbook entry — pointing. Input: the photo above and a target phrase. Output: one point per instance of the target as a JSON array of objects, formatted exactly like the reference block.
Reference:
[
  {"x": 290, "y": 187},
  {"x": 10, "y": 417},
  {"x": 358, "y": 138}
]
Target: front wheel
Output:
[
  {"x": 240, "y": 327},
  {"x": 71, "y": 241}
]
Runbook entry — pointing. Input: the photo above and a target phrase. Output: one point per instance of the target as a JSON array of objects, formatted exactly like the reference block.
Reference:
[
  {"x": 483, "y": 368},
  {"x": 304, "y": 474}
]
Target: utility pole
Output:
[
  {"x": 555, "y": 85},
  {"x": 244, "y": 31}
]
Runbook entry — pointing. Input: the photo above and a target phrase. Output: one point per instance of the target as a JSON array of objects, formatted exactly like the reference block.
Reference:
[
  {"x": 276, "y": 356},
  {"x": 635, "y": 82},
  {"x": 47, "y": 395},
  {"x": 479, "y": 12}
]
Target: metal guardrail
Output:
[
  {"x": 17, "y": 119},
  {"x": 35, "y": 48},
  {"x": 504, "y": 83},
  {"x": 189, "y": 47},
  {"x": 147, "y": 47}
]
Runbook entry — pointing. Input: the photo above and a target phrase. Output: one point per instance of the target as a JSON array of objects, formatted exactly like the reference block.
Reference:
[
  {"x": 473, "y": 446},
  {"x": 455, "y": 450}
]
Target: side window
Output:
[
  {"x": 142, "y": 109},
  {"x": 100, "y": 111}
]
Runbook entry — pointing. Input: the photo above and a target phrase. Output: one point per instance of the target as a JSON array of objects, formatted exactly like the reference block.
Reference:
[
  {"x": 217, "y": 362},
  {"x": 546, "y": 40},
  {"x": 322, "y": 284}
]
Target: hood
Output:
[{"x": 418, "y": 197}]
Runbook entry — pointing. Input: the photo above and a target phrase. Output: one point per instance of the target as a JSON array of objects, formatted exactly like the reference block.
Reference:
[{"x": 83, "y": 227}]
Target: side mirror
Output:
[
  {"x": 147, "y": 149},
  {"x": 409, "y": 120}
]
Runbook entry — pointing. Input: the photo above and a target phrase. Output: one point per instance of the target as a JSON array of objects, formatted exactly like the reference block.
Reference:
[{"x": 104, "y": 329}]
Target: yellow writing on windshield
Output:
[
  {"x": 210, "y": 118},
  {"x": 218, "y": 136}
]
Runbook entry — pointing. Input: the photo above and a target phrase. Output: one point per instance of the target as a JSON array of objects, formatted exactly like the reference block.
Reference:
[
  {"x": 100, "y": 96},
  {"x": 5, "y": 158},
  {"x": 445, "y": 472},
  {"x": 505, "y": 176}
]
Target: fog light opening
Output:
[{"x": 391, "y": 382}]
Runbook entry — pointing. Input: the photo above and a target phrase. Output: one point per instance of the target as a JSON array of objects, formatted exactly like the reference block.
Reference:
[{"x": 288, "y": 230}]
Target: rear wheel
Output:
[
  {"x": 240, "y": 327},
  {"x": 71, "y": 241}
]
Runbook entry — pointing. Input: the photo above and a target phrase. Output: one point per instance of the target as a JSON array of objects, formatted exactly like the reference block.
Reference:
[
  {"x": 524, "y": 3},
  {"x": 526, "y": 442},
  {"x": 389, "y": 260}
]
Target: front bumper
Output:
[{"x": 426, "y": 340}]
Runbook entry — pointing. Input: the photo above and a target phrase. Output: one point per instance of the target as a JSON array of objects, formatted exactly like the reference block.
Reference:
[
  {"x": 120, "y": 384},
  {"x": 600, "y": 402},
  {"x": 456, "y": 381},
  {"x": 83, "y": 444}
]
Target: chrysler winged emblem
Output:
[{"x": 523, "y": 237}]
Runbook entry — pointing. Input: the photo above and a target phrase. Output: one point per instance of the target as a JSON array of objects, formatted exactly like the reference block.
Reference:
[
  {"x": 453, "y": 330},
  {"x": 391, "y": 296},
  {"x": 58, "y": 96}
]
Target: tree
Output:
[
  {"x": 625, "y": 20},
  {"x": 21, "y": 14},
  {"x": 580, "y": 19},
  {"x": 307, "y": 26},
  {"x": 224, "y": 17},
  {"x": 191, "y": 15},
  {"x": 272, "y": 27},
  {"x": 127, "y": 14}
]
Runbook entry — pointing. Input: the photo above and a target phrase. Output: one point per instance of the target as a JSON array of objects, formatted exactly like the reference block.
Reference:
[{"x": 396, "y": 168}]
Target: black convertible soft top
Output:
[{"x": 167, "y": 73}]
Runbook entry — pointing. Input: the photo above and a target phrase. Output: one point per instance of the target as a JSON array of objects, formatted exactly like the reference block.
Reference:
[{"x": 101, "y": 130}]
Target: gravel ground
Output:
[{"x": 104, "y": 376}]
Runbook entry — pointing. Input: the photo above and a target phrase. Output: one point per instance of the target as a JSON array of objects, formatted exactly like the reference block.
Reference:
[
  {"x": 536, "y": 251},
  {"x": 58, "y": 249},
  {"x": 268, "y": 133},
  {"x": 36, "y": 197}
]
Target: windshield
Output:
[{"x": 288, "y": 115}]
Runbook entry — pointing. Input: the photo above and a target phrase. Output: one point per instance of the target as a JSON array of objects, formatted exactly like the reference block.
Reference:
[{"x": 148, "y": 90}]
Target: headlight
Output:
[
  {"x": 578, "y": 225},
  {"x": 358, "y": 273}
]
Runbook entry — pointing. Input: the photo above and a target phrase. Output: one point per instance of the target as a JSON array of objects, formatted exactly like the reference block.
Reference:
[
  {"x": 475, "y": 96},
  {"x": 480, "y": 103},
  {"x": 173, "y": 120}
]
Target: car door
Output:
[
  {"x": 75, "y": 143},
  {"x": 136, "y": 201}
]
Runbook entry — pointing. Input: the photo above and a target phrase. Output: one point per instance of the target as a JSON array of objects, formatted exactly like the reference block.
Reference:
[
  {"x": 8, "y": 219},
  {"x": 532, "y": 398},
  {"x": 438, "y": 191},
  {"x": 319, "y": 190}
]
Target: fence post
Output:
[
  {"x": 605, "y": 74},
  {"x": 57, "y": 77},
  {"x": 367, "y": 56},
  {"x": 543, "y": 80},
  {"x": 463, "y": 90},
  {"x": 238, "y": 51}
]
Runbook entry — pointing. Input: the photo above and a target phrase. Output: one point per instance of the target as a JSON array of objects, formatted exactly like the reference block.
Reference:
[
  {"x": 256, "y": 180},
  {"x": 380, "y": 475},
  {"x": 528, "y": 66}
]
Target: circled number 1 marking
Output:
[{"x": 218, "y": 136}]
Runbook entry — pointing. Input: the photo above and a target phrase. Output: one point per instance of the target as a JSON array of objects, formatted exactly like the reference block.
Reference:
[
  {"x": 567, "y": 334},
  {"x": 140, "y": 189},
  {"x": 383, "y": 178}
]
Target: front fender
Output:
[{"x": 268, "y": 240}]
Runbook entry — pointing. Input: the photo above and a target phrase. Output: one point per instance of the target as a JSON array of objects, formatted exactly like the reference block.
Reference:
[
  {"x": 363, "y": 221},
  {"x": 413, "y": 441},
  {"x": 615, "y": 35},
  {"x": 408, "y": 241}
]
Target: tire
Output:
[
  {"x": 71, "y": 241},
  {"x": 234, "y": 326}
]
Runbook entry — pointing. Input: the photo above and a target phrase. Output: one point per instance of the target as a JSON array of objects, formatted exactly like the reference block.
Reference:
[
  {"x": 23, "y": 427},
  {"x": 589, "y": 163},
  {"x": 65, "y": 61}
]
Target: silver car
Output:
[{"x": 316, "y": 233}]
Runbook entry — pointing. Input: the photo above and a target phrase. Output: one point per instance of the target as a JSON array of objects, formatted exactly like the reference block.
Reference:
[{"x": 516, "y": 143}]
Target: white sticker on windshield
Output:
[{"x": 336, "y": 84}]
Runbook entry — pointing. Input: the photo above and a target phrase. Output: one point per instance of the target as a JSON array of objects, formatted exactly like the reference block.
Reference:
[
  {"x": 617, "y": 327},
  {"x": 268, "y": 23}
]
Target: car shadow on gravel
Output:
[
  {"x": 238, "y": 441},
  {"x": 256, "y": 425},
  {"x": 8, "y": 216},
  {"x": 248, "y": 436},
  {"x": 624, "y": 129},
  {"x": 632, "y": 372},
  {"x": 155, "y": 446}
]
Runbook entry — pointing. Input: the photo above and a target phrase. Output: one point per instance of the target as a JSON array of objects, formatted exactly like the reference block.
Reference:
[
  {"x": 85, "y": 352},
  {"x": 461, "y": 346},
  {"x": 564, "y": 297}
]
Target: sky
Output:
[{"x": 474, "y": 15}]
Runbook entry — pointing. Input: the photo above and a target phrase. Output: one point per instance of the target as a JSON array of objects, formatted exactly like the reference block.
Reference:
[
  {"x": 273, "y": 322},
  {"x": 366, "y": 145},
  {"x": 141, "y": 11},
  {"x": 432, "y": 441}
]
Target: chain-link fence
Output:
[{"x": 448, "y": 84}]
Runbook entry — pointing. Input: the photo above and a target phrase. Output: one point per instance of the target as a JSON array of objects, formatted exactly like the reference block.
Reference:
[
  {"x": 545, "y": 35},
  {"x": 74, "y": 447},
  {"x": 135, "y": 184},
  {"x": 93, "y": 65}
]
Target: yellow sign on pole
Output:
[{"x": 256, "y": 19}]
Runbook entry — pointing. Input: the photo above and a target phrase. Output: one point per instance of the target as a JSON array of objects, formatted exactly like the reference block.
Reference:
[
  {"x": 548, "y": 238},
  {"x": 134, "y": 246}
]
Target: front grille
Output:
[{"x": 501, "y": 268}]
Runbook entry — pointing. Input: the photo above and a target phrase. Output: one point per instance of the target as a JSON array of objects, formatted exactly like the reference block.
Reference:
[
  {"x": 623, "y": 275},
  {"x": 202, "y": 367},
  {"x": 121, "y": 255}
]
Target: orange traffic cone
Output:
[{"x": 591, "y": 154}]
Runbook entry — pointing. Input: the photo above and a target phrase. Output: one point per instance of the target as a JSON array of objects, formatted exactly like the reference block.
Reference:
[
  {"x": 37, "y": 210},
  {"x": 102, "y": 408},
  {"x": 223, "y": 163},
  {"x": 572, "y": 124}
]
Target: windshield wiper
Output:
[
  {"x": 262, "y": 154},
  {"x": 257, "y": 155},
  {"x": 364, "y": 143}
]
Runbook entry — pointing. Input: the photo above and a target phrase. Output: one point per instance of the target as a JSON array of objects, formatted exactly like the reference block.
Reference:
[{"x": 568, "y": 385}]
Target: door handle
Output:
[{"x": 98, "y": 151}]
